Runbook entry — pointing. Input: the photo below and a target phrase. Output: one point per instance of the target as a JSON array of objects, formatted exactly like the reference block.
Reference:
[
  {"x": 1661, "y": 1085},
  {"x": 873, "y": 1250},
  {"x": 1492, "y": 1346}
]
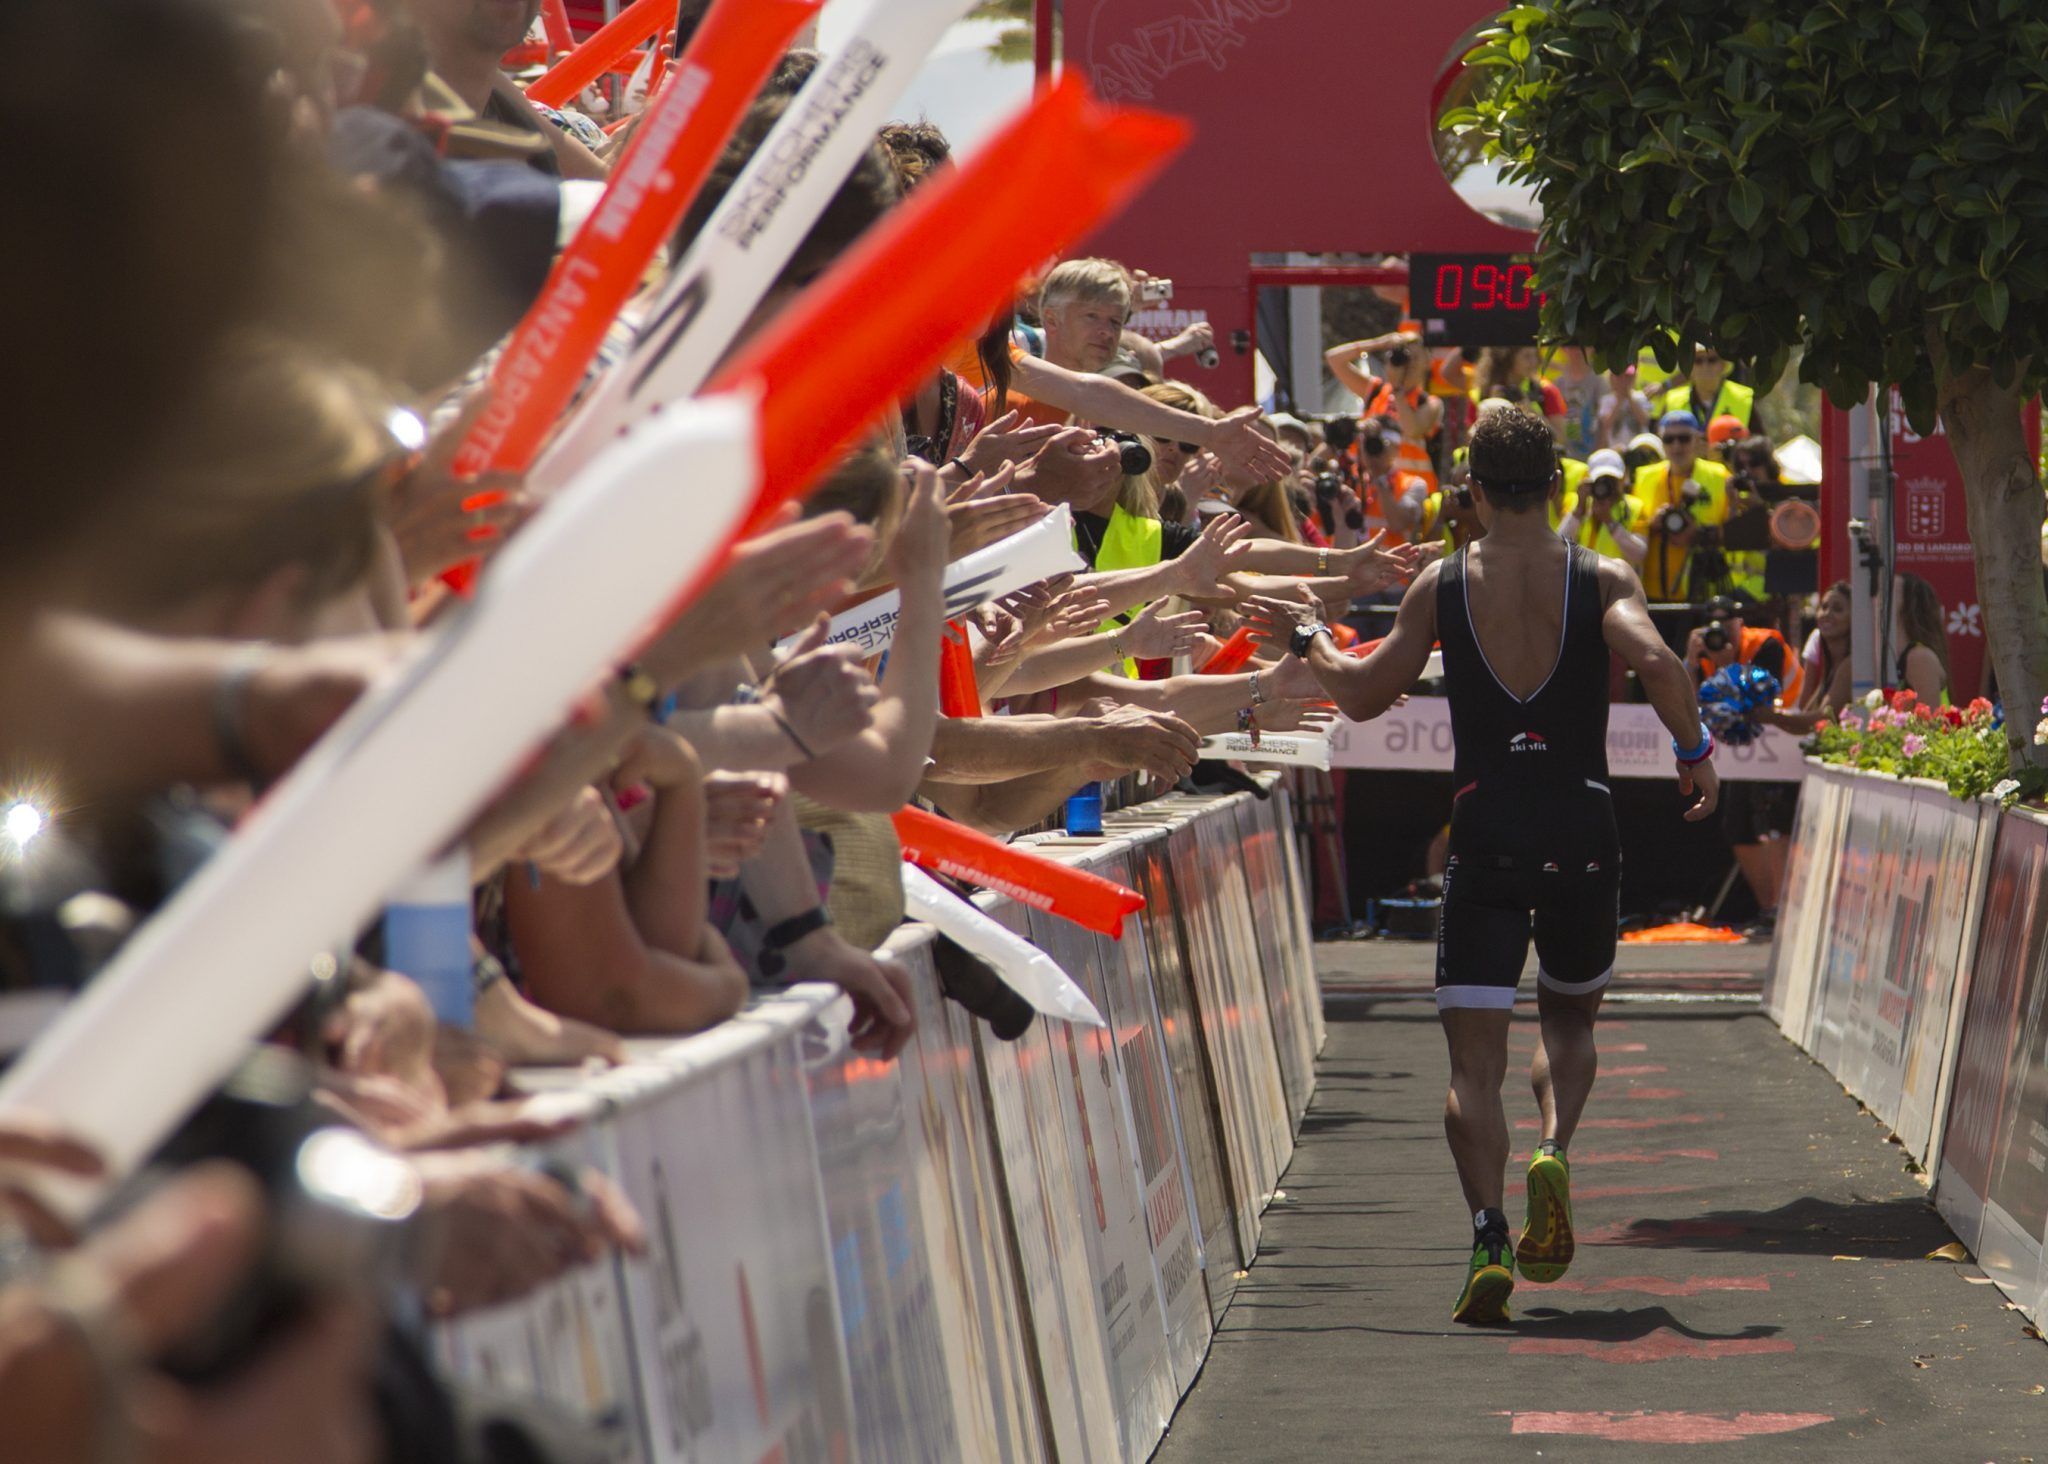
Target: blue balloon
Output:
[{"x": 1731, "y": 698}]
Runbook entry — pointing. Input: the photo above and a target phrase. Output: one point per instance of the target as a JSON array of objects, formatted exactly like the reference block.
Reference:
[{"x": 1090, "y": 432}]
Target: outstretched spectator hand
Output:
[
  {"x": 1272, "y": 621},
  {"x": 1074, "y": 467},
  {"x": 156, "y": 1278},
  {"x": 821, "y": 696},
  {"x": 1158, "y": 636},
  {"x": 580, "y": 845},
  {"x": 981, "y": 518},
  {"x": 737, "y": 807},
  {"x": 1246, "y": 455},
  {"x": 1368, "y": 568},
  {"x": 1202, "y": 565},
  {"x": 924, "y": 541},
  {"x": 426, "y": 513},
  {"x": 501, "y": 1231},
  {"x": 30, "y": 1144},
  {"x": 1070, "y": 610},
  {"x": 1002, "y": 442},
  {"x": 775, "y": 584},
  {"x": 1134, "y": 739}
]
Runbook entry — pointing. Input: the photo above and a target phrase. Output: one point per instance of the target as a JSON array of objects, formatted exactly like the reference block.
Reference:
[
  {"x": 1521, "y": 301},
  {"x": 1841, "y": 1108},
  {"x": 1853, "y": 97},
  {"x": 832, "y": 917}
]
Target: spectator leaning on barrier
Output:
[
  {"x": 1601, "y": 515},
  {"x": 1684, "y": 501}
]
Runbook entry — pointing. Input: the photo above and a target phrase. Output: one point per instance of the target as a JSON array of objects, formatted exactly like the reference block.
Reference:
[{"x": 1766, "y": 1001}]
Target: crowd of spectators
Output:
[{"x": 250, "y": 326}]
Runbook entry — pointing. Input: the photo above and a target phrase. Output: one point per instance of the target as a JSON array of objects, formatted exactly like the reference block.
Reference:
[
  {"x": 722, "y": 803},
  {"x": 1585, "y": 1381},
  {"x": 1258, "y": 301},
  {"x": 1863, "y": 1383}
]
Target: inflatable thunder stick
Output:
[
  {"x": 603, "y": 51},
  {"x": 387, "y": 788},
  {"x": 1025, "y": 969},
  {"x": 538, "y": 371},
  {"x": 1231, "y": 655},
  {"x": 1030, "y": 879},
  {"x": 959, "y": 696},
  {"x": 989, "y": 573},
  {"x": 757, "y": 227},
  {"x": 1286, "y": 748},
  {"x": 933, "y": 272}
]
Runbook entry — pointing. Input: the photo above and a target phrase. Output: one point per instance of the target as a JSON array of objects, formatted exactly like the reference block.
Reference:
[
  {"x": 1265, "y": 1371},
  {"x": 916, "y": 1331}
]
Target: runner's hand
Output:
[{"x": 1703, "y": 778}]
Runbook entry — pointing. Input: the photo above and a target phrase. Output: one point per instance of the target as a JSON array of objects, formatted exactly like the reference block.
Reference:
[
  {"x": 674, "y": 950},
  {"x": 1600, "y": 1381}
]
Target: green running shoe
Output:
[
  {"x": 1484, "y": 1301},
  {"x": 1545, "y": 1249}
]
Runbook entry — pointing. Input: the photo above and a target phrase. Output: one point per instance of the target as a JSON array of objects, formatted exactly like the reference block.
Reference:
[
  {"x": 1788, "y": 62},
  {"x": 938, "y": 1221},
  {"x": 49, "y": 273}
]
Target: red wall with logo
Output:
[{"x": 1313, "y": 121}]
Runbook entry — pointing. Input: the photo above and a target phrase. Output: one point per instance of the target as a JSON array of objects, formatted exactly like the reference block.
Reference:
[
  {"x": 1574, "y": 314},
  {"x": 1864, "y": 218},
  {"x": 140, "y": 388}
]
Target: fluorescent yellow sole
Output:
[
  {"x": 1484, "y": 1302},
  {"x": 1545, "y": 1250}
]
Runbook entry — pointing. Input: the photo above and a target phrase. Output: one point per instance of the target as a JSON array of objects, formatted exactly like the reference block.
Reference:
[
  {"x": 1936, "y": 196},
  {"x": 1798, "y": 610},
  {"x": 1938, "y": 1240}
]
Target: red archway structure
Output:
[{"x": 1314, "y": 130}]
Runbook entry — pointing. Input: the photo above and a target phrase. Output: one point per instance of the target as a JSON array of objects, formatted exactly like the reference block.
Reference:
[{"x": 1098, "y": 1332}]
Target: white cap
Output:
[{"x": 1606, "y": 463}]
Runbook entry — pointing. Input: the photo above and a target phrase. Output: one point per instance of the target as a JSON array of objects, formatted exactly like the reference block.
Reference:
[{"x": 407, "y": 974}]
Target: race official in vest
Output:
[
  {"x": 1599, "y": 514},
  {"x": 1708, "y": 393}
]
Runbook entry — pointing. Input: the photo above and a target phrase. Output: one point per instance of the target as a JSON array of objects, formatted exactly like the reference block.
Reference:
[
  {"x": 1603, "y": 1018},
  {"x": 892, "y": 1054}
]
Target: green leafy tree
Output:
[{"x": 1863, "y": 179}]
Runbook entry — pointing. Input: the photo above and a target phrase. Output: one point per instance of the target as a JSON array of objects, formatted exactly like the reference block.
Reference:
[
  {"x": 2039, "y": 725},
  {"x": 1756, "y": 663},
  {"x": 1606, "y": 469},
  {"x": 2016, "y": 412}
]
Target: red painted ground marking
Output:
[
  {"x": 1651, "y": 1095},
  {"x": 1663, "y": 1285},
  {"x": 1641, "y": 1156},
  {"x": 1607, "y": 1049},
  {"x": 1610, "y": 1191},
  {"x": 1621, "y": 1123},
  {"x": 1668, "y": 1428},
  {"x": 1658, "y": 1232},
  {"x": 1639, "y": 1070},
  {"x": 1662, "y": 1345}
]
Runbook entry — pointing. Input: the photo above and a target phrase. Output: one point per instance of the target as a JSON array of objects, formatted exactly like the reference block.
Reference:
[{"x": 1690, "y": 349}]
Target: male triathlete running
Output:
[{"x": 1526, "y": 622}]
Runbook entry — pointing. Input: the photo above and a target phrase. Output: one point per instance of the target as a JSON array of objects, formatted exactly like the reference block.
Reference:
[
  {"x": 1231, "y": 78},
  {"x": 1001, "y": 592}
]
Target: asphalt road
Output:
[{"x": 1751, "y": 1279}]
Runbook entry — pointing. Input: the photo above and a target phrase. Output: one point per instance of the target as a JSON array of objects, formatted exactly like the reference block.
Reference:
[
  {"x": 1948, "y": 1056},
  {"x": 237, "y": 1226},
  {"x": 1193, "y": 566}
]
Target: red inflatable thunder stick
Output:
[
  {"x": 1044, "y": 884},
  {"x": 958, "y": 694},
  {"x": 1231, "y": 655},
  {"x": 604, "y": 50},
  {"x": 933, "y": 272},
  {"x": 662, "y": 169}
]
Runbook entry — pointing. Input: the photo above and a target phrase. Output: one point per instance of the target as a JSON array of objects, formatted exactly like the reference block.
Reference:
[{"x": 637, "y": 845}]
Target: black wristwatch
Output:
[
  {"x": 780, "y": 938},
  {"x": 1305, "y": 636}
]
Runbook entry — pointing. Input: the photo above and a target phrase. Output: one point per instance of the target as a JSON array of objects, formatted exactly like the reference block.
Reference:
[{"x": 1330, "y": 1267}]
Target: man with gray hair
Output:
[{"x": 1083, "y": 305}]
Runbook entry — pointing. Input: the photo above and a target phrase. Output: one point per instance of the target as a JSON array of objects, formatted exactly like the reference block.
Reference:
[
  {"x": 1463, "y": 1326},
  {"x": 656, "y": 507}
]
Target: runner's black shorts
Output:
[{"x": 1541, "y": 864}]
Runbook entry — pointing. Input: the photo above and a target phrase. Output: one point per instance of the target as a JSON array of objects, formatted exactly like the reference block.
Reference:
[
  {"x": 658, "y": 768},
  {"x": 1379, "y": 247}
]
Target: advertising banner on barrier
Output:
[
  {"x": 1045, "y": 1199},
  {"x": 1284, "y": 1094},
  {"x": 1258, "y": 846},
  {"x": 1880, "y": 1010},
  {"x": 1991, "y": 1063},
  {"x": 1417, "y": 738},
  {"x": 902, "y": 1404},
  {"x": 1226, "y": 1234},
  {"x": 1102, "y": 1151},
  {"x": 1154, "y": 1143},
  {"x": 1807, "y": 904},
  {"x": 1947, "y": 888},
  {"x": 985, "y": 1340},
  {"x": 1877, "y": 822},
  {"x": 743, "y": 1256},
  {"x": 1293, "y": 909}
]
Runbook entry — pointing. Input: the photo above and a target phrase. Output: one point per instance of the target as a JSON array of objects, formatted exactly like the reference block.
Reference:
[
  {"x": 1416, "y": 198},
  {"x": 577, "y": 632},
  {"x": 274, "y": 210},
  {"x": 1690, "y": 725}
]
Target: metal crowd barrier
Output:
[
  {"x": 982, "y": 1251},
  {"x": 1912, "y": 963}
]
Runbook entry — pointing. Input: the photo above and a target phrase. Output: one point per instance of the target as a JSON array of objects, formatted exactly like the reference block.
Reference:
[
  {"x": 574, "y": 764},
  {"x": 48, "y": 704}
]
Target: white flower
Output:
[
  {"x": 2041, "y": 733},
  {"x": 2005, "y": 788},
  {"x": 1874, "y": 698}
]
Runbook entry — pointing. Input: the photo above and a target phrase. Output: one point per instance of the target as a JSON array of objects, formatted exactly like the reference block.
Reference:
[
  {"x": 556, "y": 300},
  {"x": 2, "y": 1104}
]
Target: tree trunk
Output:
[{"x": 2005, "y": 502}]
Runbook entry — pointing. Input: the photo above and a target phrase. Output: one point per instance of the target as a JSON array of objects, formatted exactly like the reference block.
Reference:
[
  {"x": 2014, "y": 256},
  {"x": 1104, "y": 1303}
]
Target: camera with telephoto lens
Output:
[
  {"x": 1328, "y": 486},
  {"x": 1373, "y": 441},
  {"x": 1604, "y": 488},
  {"x": 1340, "y": 432},
  {"x": 1678, "y": 517},
  {"x": 1715, "y": 637},
  {"x": 1134, "y": 457},
  {"x": 1400, "y": 356}
]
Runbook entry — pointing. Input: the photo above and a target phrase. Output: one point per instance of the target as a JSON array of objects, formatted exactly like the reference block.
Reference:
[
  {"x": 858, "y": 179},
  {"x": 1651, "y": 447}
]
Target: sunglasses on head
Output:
[{"x": 1187, "y": 447}]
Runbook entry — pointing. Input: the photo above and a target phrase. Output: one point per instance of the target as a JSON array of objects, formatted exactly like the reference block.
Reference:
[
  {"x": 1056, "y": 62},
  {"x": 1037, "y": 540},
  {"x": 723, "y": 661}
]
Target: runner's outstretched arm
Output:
[
  {"x": 1361, "y": 688},
  {"x": 1631, "y": 636}
]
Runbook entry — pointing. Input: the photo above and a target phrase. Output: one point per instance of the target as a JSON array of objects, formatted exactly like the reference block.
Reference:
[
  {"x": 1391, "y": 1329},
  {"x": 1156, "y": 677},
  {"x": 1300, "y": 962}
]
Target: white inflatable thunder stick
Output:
[
  {"x": 1025, "y": 969},
  {"x": 388, "y": 787},
  {"x": 756, "y": 228}
]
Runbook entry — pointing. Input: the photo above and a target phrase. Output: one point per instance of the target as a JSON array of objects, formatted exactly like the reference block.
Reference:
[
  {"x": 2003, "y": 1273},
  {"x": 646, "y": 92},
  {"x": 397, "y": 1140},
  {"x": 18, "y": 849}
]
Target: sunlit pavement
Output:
[{"x": 1751, "y": 1278}]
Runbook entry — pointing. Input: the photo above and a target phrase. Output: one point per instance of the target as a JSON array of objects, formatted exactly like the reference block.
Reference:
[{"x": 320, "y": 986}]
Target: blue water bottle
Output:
[
  {"x": 1084, "y": 811},
  {"x": 426, "y": 937}
]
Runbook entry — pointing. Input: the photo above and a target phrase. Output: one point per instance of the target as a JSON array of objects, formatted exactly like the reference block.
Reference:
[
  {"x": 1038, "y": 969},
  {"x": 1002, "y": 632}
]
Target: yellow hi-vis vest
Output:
[
  {"x": 1129, "y": 542},
  {"x": 1733, "y": 400}
]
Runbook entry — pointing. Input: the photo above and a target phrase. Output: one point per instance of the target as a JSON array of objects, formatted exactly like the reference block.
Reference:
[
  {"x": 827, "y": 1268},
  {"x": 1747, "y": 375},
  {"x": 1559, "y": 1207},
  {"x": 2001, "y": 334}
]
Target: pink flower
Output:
[
  {"x": 1915, "y": 744},
  {"x": 1856, "y": 749}
]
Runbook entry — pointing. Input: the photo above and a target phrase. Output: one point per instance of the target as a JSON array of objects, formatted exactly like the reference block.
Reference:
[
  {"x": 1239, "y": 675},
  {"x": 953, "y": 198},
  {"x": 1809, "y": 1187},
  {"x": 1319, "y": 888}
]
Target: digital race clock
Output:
[{"x": 1474, "y": 299}]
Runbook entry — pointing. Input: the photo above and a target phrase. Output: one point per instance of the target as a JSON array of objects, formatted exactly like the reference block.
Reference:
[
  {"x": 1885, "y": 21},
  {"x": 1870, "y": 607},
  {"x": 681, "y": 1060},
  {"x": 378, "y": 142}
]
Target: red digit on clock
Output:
[
  {"x": 1518, "y": 282},
  {"x": 1485, "y": 286},
  {"x": 1450, "y": 286}
]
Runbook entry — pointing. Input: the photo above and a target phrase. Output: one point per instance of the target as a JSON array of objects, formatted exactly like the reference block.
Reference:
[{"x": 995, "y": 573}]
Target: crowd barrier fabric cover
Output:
[{"x": 387, "y": 787}]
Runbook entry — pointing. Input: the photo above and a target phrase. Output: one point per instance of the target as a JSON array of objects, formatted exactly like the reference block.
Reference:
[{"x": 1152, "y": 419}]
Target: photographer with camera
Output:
[
  {"x": 1449, "y": 514},
  {"x": 1683, "y": 504},
  {"x": 1757, "y": 816},
  {"x": 1403, "y": 396},
  {"x": 1600, "y": 515}
]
